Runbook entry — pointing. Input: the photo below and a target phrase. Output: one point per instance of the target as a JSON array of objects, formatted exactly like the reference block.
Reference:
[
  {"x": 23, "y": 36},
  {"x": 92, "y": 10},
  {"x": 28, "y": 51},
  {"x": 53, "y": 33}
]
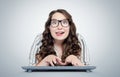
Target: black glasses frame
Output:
[{"x": 60, "y": 21}]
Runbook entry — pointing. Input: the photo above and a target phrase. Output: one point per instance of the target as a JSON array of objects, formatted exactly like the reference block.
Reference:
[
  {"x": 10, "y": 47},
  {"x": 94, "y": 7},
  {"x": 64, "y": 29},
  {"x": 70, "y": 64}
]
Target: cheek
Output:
[
  {"x": 52, "y": 31},
  {"x": 67, "y": 32}
]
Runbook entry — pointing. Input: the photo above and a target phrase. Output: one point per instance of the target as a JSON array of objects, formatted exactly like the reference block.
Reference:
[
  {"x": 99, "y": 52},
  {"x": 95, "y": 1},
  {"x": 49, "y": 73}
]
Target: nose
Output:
[{"x": 59, "y": 26}]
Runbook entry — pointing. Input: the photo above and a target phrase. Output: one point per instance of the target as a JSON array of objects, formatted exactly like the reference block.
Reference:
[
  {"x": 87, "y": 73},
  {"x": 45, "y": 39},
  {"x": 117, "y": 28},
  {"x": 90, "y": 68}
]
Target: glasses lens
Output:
[
  {"x": 65, "y": 22},
  {"x": 54, "y": 23}
]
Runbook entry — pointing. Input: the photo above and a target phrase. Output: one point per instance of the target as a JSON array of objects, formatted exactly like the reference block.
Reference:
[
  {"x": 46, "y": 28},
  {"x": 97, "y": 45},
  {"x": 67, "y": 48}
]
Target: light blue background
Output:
[{"x": 97, "y": 20}]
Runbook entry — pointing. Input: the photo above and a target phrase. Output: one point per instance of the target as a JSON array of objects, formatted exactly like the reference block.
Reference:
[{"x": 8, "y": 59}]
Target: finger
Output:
[
  {"x": 74, "y": 63},
  {"x": 81, "y": 64},
  {"x": 54, "y": 61},
  {"x": 78, "y": 64},
  {"x": 51, "y": 63},
  {"x": 60, "y": 62},
  {"x": 48, "y": 62},
  {"x": 58, "y": 59}
]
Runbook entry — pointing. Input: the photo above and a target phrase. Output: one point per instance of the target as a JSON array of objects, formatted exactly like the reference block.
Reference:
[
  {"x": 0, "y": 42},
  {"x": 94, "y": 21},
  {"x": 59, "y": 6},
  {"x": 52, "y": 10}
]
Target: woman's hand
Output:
[
  {"x": 73, "y": 60},
  {"x": 49, "y": 60},
  {"x": 54, "y": 60}
]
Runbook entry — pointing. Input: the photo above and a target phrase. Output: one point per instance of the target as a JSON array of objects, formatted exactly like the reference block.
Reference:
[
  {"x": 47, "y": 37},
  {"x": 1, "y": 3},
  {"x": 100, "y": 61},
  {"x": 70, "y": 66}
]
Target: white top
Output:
[{"x": 35, "y": 48}]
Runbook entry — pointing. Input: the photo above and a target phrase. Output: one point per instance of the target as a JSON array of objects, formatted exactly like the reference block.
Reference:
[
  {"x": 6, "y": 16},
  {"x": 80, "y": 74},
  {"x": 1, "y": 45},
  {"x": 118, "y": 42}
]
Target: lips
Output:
[{"x": 60, "y": 33}]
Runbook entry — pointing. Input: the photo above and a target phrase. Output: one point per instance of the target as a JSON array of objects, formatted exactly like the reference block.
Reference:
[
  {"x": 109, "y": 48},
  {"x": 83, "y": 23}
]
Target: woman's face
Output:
[{"x": 59, "y": 27}]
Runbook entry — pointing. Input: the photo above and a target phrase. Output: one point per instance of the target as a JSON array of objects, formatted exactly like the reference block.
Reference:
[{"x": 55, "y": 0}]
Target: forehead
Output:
[{"x": 58, "y": 16}]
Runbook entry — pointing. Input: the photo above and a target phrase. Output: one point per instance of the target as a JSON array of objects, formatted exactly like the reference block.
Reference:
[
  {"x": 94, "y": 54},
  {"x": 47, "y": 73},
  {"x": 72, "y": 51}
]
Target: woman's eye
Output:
[
  {"x": 53, "y": 22},
  {"x": 65, "y": 22}
]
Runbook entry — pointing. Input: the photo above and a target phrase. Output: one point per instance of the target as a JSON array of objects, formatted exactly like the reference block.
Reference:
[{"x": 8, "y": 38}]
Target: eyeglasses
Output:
[{"x": 54, "y": 23}]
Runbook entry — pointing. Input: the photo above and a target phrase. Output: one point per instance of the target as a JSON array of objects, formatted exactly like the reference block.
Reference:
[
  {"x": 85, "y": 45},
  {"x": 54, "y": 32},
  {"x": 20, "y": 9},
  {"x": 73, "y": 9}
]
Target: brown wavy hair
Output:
[{"x": 71, "y": 45}]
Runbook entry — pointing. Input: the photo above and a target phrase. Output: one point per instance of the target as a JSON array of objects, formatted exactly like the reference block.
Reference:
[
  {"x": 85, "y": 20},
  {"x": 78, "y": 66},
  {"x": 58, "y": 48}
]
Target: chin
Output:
[{"x": 60, "y": 39}]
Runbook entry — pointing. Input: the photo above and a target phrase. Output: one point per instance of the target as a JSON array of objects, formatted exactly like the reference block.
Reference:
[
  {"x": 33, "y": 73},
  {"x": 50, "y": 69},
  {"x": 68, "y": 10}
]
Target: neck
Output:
[
  {"x": 58, "y": 42},
  {"x": 58, "y": 47}
]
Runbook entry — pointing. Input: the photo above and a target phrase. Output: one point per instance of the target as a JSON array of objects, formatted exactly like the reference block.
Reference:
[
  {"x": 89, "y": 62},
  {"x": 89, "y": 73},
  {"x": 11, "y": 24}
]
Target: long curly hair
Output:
[{"x": 71, "y": 45}]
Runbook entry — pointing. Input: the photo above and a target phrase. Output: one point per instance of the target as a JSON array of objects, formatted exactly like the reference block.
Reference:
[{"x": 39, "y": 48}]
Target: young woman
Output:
[{"x": 59, "y": 45}]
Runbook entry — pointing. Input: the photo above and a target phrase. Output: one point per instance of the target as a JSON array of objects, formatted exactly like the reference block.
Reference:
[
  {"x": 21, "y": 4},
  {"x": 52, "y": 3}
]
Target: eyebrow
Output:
[{"x": 57, "y": 19}]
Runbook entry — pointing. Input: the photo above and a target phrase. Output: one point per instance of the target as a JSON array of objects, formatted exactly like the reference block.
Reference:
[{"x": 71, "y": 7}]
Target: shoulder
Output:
[
  {"x": 38, "y": 36},
  {"x": 38, "y": 39},
  {"x": 80, "y": 37},
  {"x": 81, "y": 40}
]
